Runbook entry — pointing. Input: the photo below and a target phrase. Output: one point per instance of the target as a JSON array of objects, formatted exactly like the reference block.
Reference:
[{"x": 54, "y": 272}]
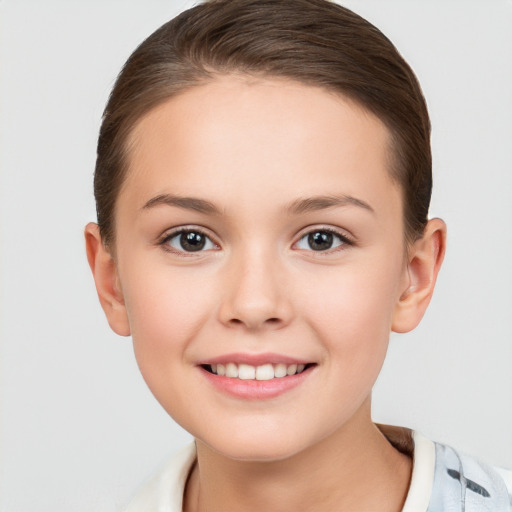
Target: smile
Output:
[
  {"x": 249, "y": 372},
  {"x": 256, "y": 377}
]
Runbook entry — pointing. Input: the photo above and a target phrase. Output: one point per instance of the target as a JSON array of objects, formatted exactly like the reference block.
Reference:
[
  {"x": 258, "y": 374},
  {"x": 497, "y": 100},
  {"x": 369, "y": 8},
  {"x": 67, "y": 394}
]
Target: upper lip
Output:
[{"x": 254, "y": 359}]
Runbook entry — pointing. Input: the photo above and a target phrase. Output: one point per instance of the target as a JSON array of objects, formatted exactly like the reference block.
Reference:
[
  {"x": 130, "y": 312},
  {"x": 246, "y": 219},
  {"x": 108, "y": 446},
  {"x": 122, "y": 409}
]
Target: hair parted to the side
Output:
[{"x": 315, "y": 42}]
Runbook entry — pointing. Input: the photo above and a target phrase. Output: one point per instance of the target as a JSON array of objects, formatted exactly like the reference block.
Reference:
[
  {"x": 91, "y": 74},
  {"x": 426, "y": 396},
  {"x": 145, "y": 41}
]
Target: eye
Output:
[
  {"x": 322, "y": 240},
  {"x": 188, "y": 240}
]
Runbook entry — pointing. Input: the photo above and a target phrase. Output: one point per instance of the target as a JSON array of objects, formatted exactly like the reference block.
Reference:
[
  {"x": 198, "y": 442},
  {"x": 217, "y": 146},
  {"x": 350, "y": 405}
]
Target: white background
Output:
[{"x": 78, "y": 429}]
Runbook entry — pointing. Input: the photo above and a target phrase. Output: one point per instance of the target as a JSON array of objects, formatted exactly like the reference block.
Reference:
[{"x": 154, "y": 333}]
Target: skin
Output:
[{"x": 252, "y": 148}]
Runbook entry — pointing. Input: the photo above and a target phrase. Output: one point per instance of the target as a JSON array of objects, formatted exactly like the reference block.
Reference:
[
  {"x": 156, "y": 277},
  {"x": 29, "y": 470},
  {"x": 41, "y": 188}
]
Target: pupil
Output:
[
  {"x": 320, "y": 241},
  {"x": 192, "y": 241}
]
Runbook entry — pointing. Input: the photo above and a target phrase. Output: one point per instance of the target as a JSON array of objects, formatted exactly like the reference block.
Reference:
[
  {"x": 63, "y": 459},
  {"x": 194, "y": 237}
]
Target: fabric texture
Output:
[{"x": 442, "y": 480}]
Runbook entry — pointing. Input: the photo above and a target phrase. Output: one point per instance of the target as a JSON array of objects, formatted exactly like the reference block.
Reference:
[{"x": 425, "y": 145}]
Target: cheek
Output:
[
  {"x": 352, "y": 312},
  {"x": 357, "y": 343},
  {"x": 166, "y": 309}
]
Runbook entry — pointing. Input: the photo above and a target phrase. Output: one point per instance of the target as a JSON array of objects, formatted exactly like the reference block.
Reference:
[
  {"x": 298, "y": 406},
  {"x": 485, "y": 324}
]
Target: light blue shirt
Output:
[{"x": 442, "y": 480}]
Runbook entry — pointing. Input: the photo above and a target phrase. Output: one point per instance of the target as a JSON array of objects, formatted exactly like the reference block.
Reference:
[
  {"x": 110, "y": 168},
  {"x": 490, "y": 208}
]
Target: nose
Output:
[{"x": 255, "y": 296}]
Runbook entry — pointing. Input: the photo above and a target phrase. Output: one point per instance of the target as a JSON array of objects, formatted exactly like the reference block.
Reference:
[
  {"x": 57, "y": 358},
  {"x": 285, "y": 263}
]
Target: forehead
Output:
[{"x": 238, "y": 137}]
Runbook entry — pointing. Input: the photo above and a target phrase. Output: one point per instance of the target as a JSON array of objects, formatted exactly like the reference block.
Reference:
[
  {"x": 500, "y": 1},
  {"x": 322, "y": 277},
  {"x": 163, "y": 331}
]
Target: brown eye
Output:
[
  {"x": 189, "y": 241},
  {"x": 322, "y": 240},
  {"x": 192, "y": 241}
]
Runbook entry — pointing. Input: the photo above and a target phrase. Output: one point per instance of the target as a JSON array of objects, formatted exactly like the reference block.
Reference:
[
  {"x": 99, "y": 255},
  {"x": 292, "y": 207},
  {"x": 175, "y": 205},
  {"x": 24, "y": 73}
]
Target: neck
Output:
[{"x": 356, "y": 468}]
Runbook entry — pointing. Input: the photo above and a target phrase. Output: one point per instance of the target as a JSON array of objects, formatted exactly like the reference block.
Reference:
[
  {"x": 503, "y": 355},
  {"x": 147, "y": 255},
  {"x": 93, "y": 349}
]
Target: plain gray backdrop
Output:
[{"x": 79, "y": 431}]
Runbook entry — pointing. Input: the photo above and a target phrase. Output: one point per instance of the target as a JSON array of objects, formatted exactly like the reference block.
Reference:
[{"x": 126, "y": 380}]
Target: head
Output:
[
  {"x": 262, "y": 184},
  {"x": 313, "y": 42}
]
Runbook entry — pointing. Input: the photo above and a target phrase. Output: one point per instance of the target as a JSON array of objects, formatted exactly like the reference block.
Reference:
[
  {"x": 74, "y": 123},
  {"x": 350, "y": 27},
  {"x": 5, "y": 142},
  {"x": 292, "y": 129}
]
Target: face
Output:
[{"x": 259, "y": 234}]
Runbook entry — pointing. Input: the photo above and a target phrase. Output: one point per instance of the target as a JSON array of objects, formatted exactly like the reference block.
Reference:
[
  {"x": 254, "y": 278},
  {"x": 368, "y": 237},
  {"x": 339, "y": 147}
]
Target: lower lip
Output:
[{"x": 256, "y": 389}]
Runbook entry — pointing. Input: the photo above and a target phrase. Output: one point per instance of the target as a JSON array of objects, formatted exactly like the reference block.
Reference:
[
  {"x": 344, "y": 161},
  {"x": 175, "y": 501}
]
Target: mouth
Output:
[
  {"x": 262, "y": 372},
  {"x": 256, "y": 376}
]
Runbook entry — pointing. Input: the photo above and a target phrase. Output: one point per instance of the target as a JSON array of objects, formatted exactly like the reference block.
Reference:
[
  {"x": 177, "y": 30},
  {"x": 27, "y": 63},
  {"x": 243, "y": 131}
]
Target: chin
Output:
[
  {"x": 255, "y": 447},
  {"x": 256, "y": 453}
]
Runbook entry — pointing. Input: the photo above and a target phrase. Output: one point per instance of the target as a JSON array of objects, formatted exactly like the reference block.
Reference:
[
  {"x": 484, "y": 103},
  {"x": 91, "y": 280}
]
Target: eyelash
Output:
[
  {"x": 345, "y": 241},
  {"x": 164, "y": 242}
]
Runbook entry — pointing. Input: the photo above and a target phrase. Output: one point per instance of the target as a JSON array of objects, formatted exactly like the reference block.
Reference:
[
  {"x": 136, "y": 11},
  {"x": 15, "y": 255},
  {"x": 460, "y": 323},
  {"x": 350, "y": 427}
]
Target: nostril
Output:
[{"x": 269, "y": 322}]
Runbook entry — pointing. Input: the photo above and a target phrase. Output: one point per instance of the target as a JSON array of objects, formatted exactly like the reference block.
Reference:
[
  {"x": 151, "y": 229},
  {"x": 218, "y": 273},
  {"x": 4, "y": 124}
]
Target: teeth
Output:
[
  {"x": 263, "y": 372},
  {"x": 246, "y": 372},
  {"x": 280, "y": 370},
  {"x": 292, "y": 369},
  {"x": 231, "y": 370}
]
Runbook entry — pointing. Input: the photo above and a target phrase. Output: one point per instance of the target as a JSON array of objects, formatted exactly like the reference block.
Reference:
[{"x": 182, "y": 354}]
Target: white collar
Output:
[
  {"x": 422, "y": 478},
  {"x": 164, "y": 492}
]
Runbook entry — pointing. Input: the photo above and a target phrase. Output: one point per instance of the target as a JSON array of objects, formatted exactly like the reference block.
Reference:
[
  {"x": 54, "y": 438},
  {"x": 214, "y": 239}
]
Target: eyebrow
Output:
[
  {"x": 315, "y": 203},
  {"x": 298, "y": 206},
  {"x": 188, "y": 203}
]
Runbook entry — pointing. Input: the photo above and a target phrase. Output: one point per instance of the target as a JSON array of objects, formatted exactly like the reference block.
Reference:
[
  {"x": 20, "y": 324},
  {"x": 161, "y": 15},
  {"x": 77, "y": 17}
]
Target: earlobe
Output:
[
  {"x": 104, "y": 270},
  {"x": 424, "y": 262}
]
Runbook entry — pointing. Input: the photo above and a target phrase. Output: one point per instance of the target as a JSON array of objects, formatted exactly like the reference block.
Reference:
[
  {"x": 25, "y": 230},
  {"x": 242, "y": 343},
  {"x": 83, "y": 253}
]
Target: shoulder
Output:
[
  {"x": 459, "y": 479},
  {"x": 164, "y": 491}
]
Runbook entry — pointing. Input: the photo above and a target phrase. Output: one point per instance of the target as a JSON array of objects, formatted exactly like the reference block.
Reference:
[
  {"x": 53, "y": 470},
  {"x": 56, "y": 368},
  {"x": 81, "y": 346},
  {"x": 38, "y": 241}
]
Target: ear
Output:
[
  {"x": 423, "y": 263},
  {"x": 108, "y": 286}
]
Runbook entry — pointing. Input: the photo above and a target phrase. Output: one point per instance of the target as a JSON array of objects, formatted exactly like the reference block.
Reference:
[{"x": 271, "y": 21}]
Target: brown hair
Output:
[{"x": 316, "y": 42}]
